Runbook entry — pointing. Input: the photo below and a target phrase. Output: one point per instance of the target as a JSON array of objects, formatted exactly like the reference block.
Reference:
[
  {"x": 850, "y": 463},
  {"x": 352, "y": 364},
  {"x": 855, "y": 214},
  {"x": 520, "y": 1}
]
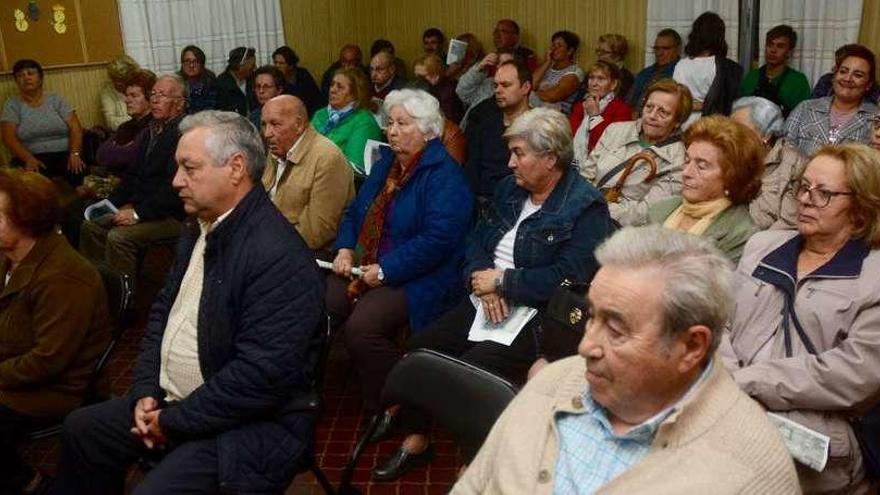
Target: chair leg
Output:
[
  {"x": 322, "y": 478},
  {"x": 348, "y": 471}
]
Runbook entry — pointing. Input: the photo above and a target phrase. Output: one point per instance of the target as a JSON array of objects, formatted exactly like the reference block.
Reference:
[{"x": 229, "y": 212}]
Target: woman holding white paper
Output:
[{"x": 542, "y": 228}]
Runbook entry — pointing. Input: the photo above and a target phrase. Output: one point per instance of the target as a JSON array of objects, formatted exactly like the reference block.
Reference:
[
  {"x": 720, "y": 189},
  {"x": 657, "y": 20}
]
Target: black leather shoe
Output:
[
  {"x": 386, "y": 427},
  {"x": 400, "y": 462}
]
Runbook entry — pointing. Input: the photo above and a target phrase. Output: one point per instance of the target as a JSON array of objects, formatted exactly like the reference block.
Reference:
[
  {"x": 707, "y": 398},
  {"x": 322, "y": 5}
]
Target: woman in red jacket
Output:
[{"x": 601, "y": 106}]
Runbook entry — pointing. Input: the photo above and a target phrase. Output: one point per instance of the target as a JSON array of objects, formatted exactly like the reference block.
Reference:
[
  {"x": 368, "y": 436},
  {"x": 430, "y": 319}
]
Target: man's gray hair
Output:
[
  {"x": 696, "y": 275},
  {"x": 421, "y": 106},
  {"x": 765, "y": 115},
  {"x": 230, "y": 133},
  {"x": 546, "y": 131}
]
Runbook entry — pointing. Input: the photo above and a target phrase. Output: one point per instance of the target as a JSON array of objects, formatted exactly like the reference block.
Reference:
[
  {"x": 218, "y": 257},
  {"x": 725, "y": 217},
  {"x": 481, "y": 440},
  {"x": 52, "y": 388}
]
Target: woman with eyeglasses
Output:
[
  {"x": 200, "y": 91},
  {"x": 612, "y": 48},
  {"x": 804, "y": 340},
  {"x": 40, "y": 129},
  {"x": 776, "y": 204},
  {"x": 845, "y": 115},
  {"x": 721, "y": 175}
]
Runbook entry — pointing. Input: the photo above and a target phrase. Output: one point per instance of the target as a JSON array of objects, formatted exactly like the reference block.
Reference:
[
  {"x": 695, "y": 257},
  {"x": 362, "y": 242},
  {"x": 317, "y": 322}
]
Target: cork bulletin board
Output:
[{"x": 59, "y": 33}]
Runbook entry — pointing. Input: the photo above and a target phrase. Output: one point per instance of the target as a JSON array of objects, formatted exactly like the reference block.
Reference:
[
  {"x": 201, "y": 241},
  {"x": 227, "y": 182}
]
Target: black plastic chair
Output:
[
  {"x": 462, "y": 398},
  {"x": 120, "y": 303}
]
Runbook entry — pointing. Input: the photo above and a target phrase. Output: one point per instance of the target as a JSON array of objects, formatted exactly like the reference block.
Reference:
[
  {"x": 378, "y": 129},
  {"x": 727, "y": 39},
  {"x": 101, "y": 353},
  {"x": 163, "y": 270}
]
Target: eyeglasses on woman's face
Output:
[{"x": 819, "y": 196}]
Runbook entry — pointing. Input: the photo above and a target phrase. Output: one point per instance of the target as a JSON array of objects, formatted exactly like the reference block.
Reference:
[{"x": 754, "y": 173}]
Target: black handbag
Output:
[
  {"x": 867, "y": 430},
  {"x": 562, "y": 326}
]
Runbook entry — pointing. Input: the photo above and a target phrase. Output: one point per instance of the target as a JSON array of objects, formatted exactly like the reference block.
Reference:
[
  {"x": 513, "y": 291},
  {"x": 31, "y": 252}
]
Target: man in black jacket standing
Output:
[
  {"x": 149, "y": 209},
  {"x": 230, "y": 344}
]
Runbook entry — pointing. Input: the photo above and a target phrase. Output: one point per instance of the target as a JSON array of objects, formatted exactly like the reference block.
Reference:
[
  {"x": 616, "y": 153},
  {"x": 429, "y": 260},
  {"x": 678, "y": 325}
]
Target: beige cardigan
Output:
[
  {"x": 719, "y": 442},
  {"x": 315, "y": 188}
]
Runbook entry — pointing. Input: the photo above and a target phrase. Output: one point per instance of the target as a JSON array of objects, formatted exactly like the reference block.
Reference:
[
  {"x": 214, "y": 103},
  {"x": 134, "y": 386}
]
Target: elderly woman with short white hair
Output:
[
  {"x": 405, "y": 230},
  {"x": 542, "y": 227},
  {"x": 776, "y": 204}
]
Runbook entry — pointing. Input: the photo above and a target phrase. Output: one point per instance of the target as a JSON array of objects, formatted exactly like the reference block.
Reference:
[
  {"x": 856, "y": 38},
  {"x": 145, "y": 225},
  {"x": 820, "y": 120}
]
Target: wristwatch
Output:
[{"x": 380, "y": 275}]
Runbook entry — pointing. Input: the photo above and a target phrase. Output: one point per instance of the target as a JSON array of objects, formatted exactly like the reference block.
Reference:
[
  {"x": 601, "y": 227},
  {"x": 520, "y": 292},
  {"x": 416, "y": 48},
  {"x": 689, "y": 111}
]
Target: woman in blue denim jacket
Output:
[{"x": 543, "y": 226}]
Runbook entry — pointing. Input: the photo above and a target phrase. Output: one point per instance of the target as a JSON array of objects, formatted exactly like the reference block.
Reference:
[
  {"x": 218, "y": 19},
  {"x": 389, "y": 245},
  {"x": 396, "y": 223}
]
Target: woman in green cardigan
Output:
[
  {"x": 722, "y": 172},
  {"x": 348, "y": 120}
]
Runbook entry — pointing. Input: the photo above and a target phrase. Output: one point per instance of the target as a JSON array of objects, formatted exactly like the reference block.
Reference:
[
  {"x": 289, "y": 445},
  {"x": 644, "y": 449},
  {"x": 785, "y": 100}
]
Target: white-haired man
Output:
[
  {"x": 644, "y": 408},
  {"x": 230, "y": 345}
]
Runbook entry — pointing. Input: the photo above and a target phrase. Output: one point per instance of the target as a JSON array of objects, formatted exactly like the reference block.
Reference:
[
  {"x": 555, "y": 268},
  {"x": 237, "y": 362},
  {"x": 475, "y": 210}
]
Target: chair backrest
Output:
[
  {"x": 463, "y": 398},
  {"x": 120, "y": 303},
  {"x": 119, "y": 296}
]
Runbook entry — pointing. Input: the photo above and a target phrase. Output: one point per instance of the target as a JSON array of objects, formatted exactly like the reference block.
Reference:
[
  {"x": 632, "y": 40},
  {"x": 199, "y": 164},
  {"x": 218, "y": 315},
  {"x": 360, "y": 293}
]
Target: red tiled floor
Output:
[{"x": 336, "y": 432}]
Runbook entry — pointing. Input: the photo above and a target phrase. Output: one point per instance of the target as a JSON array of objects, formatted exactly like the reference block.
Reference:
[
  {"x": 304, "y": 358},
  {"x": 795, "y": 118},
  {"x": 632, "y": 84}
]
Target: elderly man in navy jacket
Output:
[{"x": 230, "y": 345}]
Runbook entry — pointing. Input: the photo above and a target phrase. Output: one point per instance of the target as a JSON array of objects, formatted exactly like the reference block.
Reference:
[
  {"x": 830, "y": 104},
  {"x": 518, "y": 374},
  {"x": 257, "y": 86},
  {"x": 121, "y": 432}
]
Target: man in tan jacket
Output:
[
  {"x": 306, "y": 175},
  {"x": 645, "y": 408}
]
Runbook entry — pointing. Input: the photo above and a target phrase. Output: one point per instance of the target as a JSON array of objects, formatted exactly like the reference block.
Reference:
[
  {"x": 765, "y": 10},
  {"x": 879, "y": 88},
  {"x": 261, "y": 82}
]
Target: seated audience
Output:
[
  {"x": 803, "y": 339},
  {"x": 350, "y": 56},
  {"x": 434, "y": 43},
  {"x": 383, "y": 75},
  {"x": 845, "y": 115},
  {"x": 556, "y": 80},
  {"x": 712, "y": 77},
  {"x": 40, "y": 129},
  {"x": 229, "y": 350},
  {"x": 406, "y": 231},
  {"x": 488, "y": 154},
  {"x": 612, "y": 48},
  {"x": 268, "y": 83},
  {"x": 601, "y": 106},
  {"x": 783, "y": 163},
  {"x": 53, "y": 321},
  {"x": 775, "y": 80},
  {"x": 383, "y": 45},
  {"x": 473, "y": 53},
  {"x": 113, "y": 106},
  {"x": 149, "y": 209},
  {"x": 429, "y": 71},
  {"x": 347, "y": 119},
  {"x": 298, "y": 81},
  {"x": 667, "y": 50},
  {"x": 306, "y": 175},
  {"x": 515, "y": 257},
  {"x": 200, "y": 91},
  {"x": 120, "y": 152},
  {"x": 645, "y": 408},
  {"x": 235, "y": 86},
  {"x": 721, "y": 175},
  {"x": 658, "y": 134},
  {"x": 825, "y": 85},
  {"x": 506, "y": 40},
  {"x": 477, "y": 83}
]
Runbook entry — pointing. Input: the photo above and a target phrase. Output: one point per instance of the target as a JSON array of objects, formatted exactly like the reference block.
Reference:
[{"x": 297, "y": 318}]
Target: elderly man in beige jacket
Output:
[
  {"x": 306, "y": 175},
  {"x": 645, "y": 408}
]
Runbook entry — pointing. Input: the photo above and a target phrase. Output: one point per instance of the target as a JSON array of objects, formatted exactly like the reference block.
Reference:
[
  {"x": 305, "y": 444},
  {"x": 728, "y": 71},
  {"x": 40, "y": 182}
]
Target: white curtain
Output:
[
  {"x": 680, "y": 15},
  {"x": 822, "y": 26},
  {"x": 154, "y": 31}
]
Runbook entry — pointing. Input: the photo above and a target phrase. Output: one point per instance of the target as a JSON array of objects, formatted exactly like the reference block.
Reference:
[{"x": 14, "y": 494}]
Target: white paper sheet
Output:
[
  {"x": 100, "y": 209},
  {"x": 456, "y": 51},
  {"x": 809, "y": 447},
  {"x": 503, "y": 333}
]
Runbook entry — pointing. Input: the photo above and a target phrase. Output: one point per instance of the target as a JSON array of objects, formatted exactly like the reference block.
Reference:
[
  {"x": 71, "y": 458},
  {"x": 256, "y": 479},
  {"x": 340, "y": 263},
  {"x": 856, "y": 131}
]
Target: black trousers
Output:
[
  {"x": 56, "y": 166},
  {"x": 14, "y": 426},
  {"x": 449, "y": 335},
  {"x": 98, "y": 449}
]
